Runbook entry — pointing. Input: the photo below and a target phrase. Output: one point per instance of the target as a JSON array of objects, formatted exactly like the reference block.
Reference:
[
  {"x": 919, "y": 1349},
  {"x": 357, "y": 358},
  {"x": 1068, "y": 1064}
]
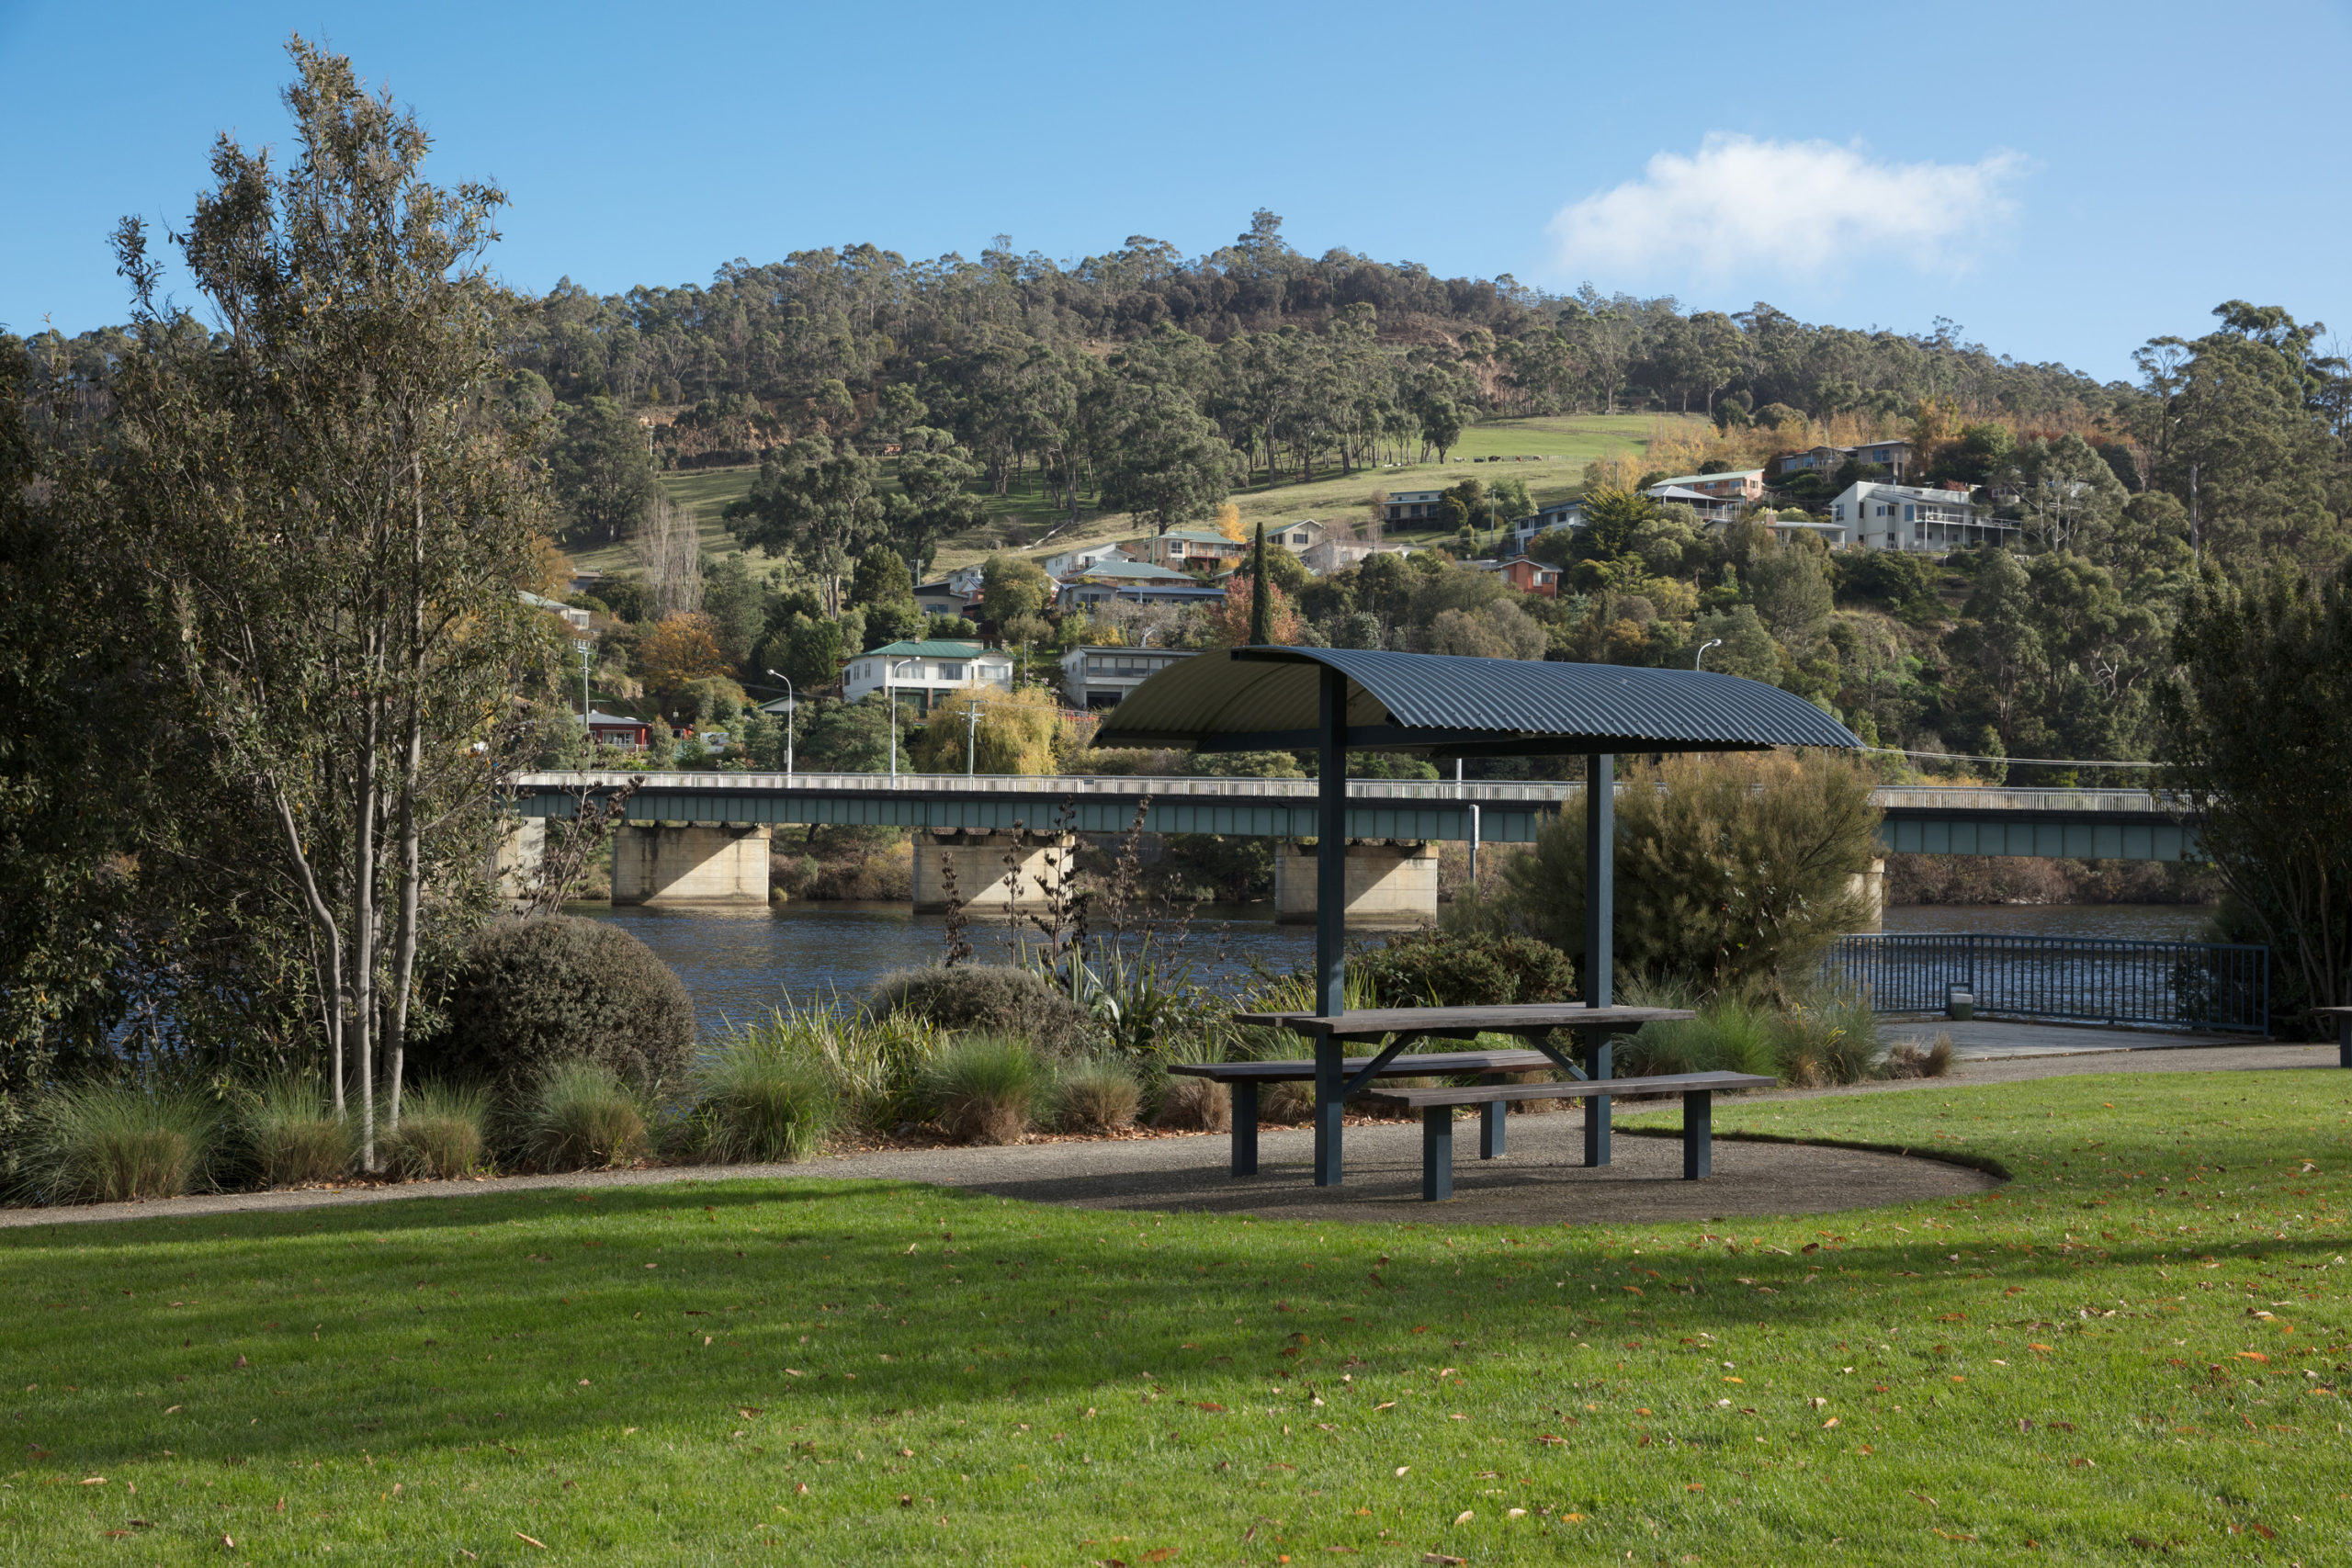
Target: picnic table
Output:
[
  {"x": 2343, "y": 1017},
  {"x": 1336, "y": 1076}
]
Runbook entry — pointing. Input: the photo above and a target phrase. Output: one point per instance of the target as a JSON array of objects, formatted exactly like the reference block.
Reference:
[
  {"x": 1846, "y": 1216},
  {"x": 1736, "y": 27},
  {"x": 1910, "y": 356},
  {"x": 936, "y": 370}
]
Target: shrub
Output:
[
  {"x": 1194, "y": 1105},
  {"x": 983, "y": 1087},
  {"x": 1907, "y": 1061},
  {"x": 760, "y": 1097},
  {"x": 1731, "y": 872},
  {"x": 1095, "y": 1096},
  {"x": 1728, "y": 1036},
  {"x": 1436, "y": 968},
  {"x": 290, "y": 1133},
  {"x": 1286, "y": 1102},
  {"x": 440, "y": 1135},
  {"x": 1834, "y": 1040},
  {"x": 113, "y": 1143},
  {"x": 582, "y": 1114},
  {"x": 529, "y": 996},
  {"x": 987, "y": 999}
]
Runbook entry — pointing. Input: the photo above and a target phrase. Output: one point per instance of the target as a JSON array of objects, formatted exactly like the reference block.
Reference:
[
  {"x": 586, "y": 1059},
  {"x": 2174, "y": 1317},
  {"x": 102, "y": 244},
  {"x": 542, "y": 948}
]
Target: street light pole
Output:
[
  {"x": 791, "y": 700},
  {"x": 1700, "y": 661},
  {"x": 971, "y": 736}
]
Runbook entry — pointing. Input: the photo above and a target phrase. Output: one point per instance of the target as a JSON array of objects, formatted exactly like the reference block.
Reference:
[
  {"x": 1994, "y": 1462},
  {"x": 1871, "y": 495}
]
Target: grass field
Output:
[
  {"x": 1567, "y": 443},
  {"x": 2134, "y": 1350}
]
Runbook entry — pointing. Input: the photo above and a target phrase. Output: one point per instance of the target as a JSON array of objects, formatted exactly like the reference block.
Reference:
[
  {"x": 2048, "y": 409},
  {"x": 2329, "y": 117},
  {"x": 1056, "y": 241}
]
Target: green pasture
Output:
[
  {"x": 2131, "y": 1351},
  {"x": 1565, "y": 443}
]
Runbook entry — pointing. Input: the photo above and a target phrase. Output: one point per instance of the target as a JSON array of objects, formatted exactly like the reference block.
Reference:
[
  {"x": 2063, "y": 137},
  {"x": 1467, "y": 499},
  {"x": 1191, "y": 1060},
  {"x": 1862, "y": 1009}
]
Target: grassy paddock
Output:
[{"x": 2131, "y": 1350}]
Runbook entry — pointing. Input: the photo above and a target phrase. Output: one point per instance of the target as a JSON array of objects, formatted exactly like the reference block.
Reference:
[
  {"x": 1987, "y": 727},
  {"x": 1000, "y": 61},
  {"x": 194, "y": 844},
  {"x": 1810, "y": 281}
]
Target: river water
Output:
[{"x": 739, "y": 963}]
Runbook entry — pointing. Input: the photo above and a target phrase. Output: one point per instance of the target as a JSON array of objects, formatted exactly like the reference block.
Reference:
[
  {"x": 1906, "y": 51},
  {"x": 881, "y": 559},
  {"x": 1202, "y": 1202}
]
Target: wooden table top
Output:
[
  {"x": 1435, "y": 1064},
  {"x": 1538, "y": 1016}
]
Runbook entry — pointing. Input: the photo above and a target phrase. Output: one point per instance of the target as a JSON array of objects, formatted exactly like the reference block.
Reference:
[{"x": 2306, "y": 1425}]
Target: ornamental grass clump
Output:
[
  {"x": 441, "y": 1132},
  {"x": 114, "y": 1143},
  {"x": 983, "y": 1088},
  {"x": 581, "y": 1115},
  {"x": 289, "y": 1136},
  {"x": 1193, "y": 1105},
  {"x": 1832, "y": 1039},
  {"x": 1096, "y": 1095},
  {"x": 761, "y": 1096}
]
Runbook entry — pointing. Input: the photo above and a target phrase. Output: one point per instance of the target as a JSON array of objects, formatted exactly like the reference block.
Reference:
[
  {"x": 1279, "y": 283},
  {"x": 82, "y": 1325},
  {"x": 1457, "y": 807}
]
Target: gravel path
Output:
[{"x": 1539, "y": 1184}]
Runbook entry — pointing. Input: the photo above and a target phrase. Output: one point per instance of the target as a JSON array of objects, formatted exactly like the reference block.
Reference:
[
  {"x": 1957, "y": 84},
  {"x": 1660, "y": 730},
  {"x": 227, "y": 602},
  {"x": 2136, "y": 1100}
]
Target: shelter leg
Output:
[
  {"x": 1245, "y": 1127},
  {"x": 1698, "y": 1134},
  {"x": 1490, "y": 1124},
  {"x": 1331, "y": 1061},
  {"x": 1437, "y": 1153},
  {"x": 1596, "y": 1109},
  {"x": 2344, "y": 1042}
]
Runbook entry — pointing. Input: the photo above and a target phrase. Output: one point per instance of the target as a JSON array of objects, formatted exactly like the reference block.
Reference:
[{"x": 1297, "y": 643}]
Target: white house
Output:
[
  {"x": 1071, "y": 562},
  {"x": 1098, "y": 677},
  {"x": 926, "y": 671},
  {"x": 1905, "y": 517},
  {"x": 1741, "y": 484}
]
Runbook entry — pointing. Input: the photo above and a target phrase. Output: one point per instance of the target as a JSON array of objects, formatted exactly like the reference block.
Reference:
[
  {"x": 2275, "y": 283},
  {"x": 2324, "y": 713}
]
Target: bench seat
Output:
[
  {"x": 1437, "y": 1107},
  {"x": 1245, "y": 1077}
]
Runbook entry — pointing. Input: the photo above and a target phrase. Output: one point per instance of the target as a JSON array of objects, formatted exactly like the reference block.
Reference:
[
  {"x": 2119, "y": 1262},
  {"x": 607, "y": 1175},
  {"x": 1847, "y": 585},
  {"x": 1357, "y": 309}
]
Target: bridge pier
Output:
[
  {"x": 1389, "y": 883},
  {"x": 693, "y": 863},
  {"x": 1870, "y": 886},
  {"x": 515, "y": 863},
  {"x": 977, "y": 859}
]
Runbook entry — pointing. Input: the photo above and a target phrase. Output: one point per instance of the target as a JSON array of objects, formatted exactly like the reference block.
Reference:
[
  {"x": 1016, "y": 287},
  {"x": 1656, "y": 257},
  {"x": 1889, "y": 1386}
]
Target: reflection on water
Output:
[
  {"x": 2147, "y": 922},
  {"x": 740, "y": 962}
]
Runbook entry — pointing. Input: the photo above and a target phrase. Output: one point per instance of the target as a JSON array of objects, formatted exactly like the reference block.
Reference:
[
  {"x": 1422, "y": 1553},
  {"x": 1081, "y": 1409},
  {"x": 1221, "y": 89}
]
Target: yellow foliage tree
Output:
[
  {"x": 1015, "y": 732},
  {"x": 1227, "y": 519},
  {"x": 681, "y": 648}
]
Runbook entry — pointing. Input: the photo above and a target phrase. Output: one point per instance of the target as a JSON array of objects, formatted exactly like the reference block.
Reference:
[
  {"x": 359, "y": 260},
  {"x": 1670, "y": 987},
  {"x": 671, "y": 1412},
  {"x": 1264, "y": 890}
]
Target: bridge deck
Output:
[{"x": 2104, "y": 823}]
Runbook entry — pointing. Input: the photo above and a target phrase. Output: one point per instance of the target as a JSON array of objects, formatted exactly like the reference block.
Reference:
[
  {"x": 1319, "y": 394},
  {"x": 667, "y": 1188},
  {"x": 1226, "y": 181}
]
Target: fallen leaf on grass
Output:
[
  {"x": 1157, "y": 1554},
  {"x": 533, "y": 1541},
  {"x": 1387, "y": 1405},
  {"x": 1441, "y": 1558},
  {"x": 2250, "y": 1356}
]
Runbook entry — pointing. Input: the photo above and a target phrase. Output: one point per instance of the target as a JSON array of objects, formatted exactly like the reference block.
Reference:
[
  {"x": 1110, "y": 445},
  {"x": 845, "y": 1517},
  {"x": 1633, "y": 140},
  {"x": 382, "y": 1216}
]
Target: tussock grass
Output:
[
  {"x": 1095, "y": 1095},
  {"x": 984, "y": 1087},
  {"x": 111, "y": 1143},
  {"x": 442, "y": 1132},
  {"x": 763, "y": 1094},
  {"x": 580, "y": 1115},
  {"x": 291, "y": 1136}
]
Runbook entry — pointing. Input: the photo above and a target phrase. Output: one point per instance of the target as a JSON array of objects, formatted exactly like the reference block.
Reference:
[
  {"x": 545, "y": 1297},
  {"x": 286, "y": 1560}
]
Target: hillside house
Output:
[
  {"x": 1535, "y": 577},
  {"x": 1746, "y": 485},
  {"x": 1138, "y": 582},
  {"x": 1894, "y": 457},
  {"x": 1712, "y": 509},
  {"x": 1297, "y": 537},
  {"x": 1412, "y": 506},
  {"x": 929, "y": 673},
  {"x": 1069, "y": 563},
  {"x": 1096, "y": 678},
  {"x": 1194, "y": 549},
  {"x": 1559, "y": 515},
  {"x": 952, "y": 594},
  {"x": 618, "y": 729},
  {"x": 1900, "y": 517}
]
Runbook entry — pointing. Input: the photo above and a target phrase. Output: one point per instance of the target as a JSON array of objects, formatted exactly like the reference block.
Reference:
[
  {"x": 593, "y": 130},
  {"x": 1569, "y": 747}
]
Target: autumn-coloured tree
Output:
[
  {"x": 1227, "y": 520},
  {"x": 682, "y": 647},
  {"x": 1230, "y": 620},
  {"x": 1015, "y": 733}
]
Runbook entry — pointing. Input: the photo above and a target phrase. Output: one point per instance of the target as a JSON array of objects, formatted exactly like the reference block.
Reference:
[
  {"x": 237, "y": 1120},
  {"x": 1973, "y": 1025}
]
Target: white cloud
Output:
[{"x": 1797, "y": 208}]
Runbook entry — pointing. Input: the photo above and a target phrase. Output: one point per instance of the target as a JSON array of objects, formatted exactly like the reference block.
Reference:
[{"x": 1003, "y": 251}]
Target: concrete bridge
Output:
[{"x": 705, "y": 836}]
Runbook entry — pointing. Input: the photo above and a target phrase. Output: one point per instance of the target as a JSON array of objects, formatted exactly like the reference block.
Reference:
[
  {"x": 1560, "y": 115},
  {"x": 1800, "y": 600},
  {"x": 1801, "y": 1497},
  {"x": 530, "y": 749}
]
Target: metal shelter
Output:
[{"x": 1335, "y": 701}]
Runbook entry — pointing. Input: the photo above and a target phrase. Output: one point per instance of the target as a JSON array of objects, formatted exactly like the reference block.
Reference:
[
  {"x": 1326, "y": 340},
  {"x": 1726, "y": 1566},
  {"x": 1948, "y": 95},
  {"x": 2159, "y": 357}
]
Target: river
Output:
[{"x": 739, "y": 963}]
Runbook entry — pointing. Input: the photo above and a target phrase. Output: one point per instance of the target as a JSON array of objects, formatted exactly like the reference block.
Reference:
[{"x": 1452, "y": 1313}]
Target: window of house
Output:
[{"x": 950, "y": 671}]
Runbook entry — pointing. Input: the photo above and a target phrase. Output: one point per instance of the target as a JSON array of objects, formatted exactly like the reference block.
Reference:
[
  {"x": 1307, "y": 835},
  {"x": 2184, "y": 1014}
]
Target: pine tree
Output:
[{"x": 1258, "y": 595}]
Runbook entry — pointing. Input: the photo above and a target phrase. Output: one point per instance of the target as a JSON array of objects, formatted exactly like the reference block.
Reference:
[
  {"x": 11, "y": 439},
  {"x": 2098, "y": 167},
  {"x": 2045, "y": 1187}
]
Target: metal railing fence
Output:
[{"x": 2179, "y": 984}]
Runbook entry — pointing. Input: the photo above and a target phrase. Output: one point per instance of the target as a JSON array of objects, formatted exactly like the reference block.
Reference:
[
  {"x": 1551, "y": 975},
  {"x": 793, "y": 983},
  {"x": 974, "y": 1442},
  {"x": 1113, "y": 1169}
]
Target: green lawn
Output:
[
  {"x": 1567, "y": 444},
  {"x": 2130, "y": 1351}
]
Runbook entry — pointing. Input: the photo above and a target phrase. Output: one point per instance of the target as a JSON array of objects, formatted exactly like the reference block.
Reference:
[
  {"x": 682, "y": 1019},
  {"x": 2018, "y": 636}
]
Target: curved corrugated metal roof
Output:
[{"x": 1494, "y": 706}]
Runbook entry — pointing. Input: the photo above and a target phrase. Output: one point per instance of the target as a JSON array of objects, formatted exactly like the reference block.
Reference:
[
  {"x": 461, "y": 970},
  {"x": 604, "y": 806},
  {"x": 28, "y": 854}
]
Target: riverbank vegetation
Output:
[{"x": 2125, "y": 1351}]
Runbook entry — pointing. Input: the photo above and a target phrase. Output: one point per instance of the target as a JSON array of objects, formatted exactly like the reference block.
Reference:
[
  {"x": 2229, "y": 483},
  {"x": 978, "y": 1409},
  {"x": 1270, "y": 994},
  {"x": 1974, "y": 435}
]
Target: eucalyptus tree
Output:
[
  {"x": 819, "y": 503},
  {"x": 334, "y": 513}
]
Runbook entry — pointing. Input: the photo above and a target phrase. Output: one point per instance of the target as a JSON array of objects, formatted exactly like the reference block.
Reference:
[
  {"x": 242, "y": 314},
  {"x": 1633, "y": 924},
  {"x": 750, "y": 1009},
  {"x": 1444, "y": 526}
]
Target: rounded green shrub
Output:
[
  {"x": 531, "y": 995},
  {"x": 758, "y": 1100},
  {"x": 987, "y": 999},
  {"x": 104, "y": 1143},
  {"x": 1437, "y": 968},
  {"x": 983, "y": 1088},
  {"x": 441, "y": 1132}
]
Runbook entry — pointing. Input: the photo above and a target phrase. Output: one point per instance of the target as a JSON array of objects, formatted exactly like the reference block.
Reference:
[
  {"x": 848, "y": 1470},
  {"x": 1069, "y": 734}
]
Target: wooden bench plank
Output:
[
  {"x": 1479, "y": 1019},
  {"x": 1428, "y": 1065},
  {"x": 1484, "y": 1094}
]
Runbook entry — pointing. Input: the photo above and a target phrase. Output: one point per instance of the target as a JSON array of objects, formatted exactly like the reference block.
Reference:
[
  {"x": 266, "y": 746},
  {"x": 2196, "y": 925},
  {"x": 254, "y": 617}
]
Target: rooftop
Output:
[
  {"x": 926, "y": 650},
  {"x": 1136, "y": 571},
  {"x": 1704, "y": 479}
]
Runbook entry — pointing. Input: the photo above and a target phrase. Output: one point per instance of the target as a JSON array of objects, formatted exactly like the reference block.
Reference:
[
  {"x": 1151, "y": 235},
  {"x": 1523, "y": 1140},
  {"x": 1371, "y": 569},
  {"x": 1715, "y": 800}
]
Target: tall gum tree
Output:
[{"x": 337, "y": 513}]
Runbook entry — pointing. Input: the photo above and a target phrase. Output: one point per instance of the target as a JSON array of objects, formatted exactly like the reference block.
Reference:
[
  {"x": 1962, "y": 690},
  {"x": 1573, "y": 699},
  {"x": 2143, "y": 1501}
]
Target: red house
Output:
[
  {"x": 1531, "y": 576},
  {"x": 610, "y": 729}
]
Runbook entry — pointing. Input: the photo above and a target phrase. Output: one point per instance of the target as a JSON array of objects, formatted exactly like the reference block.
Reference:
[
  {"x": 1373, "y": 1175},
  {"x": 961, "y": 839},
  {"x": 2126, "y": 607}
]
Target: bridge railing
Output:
[
  {"x": 2179, "y": 984},
  {"x": 1550, "y": 793}
]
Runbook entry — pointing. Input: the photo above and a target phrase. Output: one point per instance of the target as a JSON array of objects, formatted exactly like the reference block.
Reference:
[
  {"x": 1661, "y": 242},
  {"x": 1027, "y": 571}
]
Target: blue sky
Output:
[{"x": 2064, "y": 181}]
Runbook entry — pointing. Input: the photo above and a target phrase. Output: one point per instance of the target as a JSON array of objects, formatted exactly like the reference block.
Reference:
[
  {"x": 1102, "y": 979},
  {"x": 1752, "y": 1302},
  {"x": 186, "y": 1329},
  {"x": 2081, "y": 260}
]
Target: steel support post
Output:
[
  {"x": 1331, "y": 916},
  {"x": 1600, "y": 930}
]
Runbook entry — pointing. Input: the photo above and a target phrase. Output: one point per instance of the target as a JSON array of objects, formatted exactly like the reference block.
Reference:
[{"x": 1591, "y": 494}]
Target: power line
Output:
[{"x": 2033, "y": 762}]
